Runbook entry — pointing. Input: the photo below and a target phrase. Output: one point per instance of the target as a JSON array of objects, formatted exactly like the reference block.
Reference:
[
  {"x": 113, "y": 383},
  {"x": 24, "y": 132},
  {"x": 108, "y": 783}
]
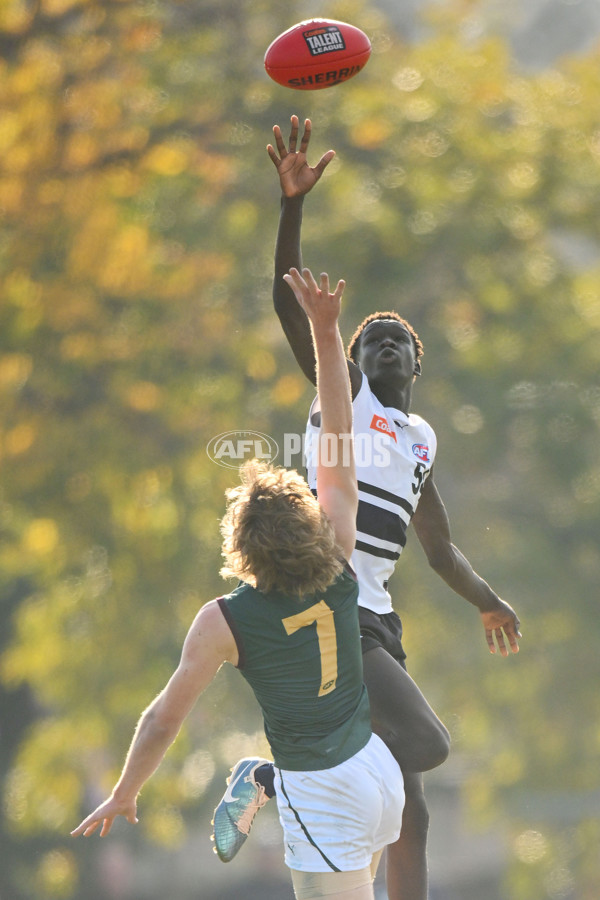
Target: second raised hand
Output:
[
  {"x": 295, "y": 175},
  {"x": 318, "y": 302}
]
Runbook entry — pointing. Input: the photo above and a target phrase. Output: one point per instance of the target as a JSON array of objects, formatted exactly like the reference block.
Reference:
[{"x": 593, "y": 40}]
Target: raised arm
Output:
[
  {"x": 208, "y": 644},
  {"x": 297, "y": 178},
  {"x": 336, "y": 475},
  {"x": 432, "y": 527}
]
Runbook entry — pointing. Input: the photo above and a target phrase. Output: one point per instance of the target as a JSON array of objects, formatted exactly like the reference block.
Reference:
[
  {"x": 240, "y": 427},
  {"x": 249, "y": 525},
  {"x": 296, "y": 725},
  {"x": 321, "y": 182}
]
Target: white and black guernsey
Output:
[{"x": 394, "y": 456}]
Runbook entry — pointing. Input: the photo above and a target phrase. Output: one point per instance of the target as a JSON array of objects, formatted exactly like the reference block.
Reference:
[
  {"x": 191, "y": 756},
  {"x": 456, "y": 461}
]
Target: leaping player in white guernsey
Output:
[{"x": 395, "y": 452}]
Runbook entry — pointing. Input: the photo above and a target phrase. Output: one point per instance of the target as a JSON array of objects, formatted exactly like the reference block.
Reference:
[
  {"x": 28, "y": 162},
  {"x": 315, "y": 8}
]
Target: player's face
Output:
[{"x": 387, "y": 352}]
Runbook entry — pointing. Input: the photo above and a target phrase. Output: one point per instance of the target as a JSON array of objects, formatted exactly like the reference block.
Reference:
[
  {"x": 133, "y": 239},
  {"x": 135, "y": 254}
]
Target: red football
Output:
[{"x": 317, "y": 54}]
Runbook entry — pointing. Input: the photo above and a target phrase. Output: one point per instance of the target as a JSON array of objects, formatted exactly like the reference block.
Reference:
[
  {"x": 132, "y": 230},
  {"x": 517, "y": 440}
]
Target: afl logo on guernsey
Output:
[
  {"x": 421, "y": 451},
  {"x": 379, "y": 423}
]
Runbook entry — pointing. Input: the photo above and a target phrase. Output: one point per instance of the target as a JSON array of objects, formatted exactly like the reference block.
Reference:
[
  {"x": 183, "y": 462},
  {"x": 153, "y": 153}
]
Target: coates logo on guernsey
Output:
[
  {"x": 232, "y": 448},
  {"x": 381, "y": 424},
  {"x": 421, "y": 451}
]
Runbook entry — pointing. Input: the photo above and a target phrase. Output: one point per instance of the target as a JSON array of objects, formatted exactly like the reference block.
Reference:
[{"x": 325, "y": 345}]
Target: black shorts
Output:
[{"x": 381, "y": 631}]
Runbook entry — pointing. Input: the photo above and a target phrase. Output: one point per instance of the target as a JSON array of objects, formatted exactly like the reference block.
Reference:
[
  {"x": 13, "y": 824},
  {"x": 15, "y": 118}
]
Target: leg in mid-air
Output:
[
  {"x": 406, "y": 860},
  {"x": 401, "y": 715},
  {"x": 313, "y": 885},
  {"x": 337, "y": 822},
  {"x": 333, "y": 886},
  {"x": 403, "y": 718},
  {"x": 241, "y": 801}
]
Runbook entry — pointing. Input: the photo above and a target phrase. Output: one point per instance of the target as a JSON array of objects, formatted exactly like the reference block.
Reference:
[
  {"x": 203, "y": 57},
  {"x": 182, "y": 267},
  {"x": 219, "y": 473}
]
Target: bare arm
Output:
[
  {"x": 296, "y": 178},
  {"x": 336, "y": 475},
  {"x": 294, "y": 320},
  {"x": 432, "y": 527},
  {"x": 208, "y": 644}
]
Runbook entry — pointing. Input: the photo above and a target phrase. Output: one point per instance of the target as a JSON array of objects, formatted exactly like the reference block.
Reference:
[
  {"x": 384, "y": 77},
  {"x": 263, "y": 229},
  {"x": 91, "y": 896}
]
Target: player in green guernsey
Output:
[
  {"x": 311, "y": 692},
  {"x": 291, "y": 627}
]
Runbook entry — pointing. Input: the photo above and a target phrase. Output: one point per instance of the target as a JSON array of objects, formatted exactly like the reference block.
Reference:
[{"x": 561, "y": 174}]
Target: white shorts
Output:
[{"x": 336, "y": 819}]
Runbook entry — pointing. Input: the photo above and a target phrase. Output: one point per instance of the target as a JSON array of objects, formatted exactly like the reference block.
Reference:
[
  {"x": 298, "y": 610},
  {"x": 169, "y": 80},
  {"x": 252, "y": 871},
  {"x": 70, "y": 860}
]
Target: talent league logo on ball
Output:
[
  {"x": 421, "y": 451},
  {"x": 325, "y": 39},
  {"x": 232, "y": 448}
]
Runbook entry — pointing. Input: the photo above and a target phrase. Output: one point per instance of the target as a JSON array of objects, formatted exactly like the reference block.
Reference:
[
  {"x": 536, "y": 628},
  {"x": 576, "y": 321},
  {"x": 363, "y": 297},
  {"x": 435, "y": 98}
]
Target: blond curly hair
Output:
[{"x": 275, "y": 534}]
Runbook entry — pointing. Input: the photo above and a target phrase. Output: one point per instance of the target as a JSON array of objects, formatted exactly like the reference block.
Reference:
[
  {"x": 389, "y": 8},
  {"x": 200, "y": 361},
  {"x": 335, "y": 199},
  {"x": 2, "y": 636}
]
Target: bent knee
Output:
[
  {"x": 424, "y": 751},
  {"x": 437, "y": 750},
  {"x": 434, "y": 748}
]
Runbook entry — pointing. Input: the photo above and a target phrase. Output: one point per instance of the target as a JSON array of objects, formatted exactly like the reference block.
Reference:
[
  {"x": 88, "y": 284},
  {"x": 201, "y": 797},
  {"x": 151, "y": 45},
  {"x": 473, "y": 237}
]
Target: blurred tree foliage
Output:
[{"x": 138, "y": 211}]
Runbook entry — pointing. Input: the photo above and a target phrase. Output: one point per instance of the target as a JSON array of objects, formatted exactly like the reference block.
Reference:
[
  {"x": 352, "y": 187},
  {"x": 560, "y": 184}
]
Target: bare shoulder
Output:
[
  {"x": 210, "y": 628},
  {"x": 210, "y": 614}
]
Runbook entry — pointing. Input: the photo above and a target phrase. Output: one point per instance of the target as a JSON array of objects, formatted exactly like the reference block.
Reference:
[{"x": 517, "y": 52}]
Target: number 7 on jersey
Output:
[{"x": 322, "y": 616}]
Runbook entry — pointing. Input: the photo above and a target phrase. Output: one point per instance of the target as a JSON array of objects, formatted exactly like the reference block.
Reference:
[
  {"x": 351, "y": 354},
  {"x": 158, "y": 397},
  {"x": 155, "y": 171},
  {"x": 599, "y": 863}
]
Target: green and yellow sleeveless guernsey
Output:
[{"x": 303, "y": 661}]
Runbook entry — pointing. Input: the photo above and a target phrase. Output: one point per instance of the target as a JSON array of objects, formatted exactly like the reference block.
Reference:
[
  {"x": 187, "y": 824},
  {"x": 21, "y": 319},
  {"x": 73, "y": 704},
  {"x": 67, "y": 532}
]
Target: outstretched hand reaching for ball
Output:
[
  {"x": 321, "y": 305},
  {"x": 296, "y": 176}
]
